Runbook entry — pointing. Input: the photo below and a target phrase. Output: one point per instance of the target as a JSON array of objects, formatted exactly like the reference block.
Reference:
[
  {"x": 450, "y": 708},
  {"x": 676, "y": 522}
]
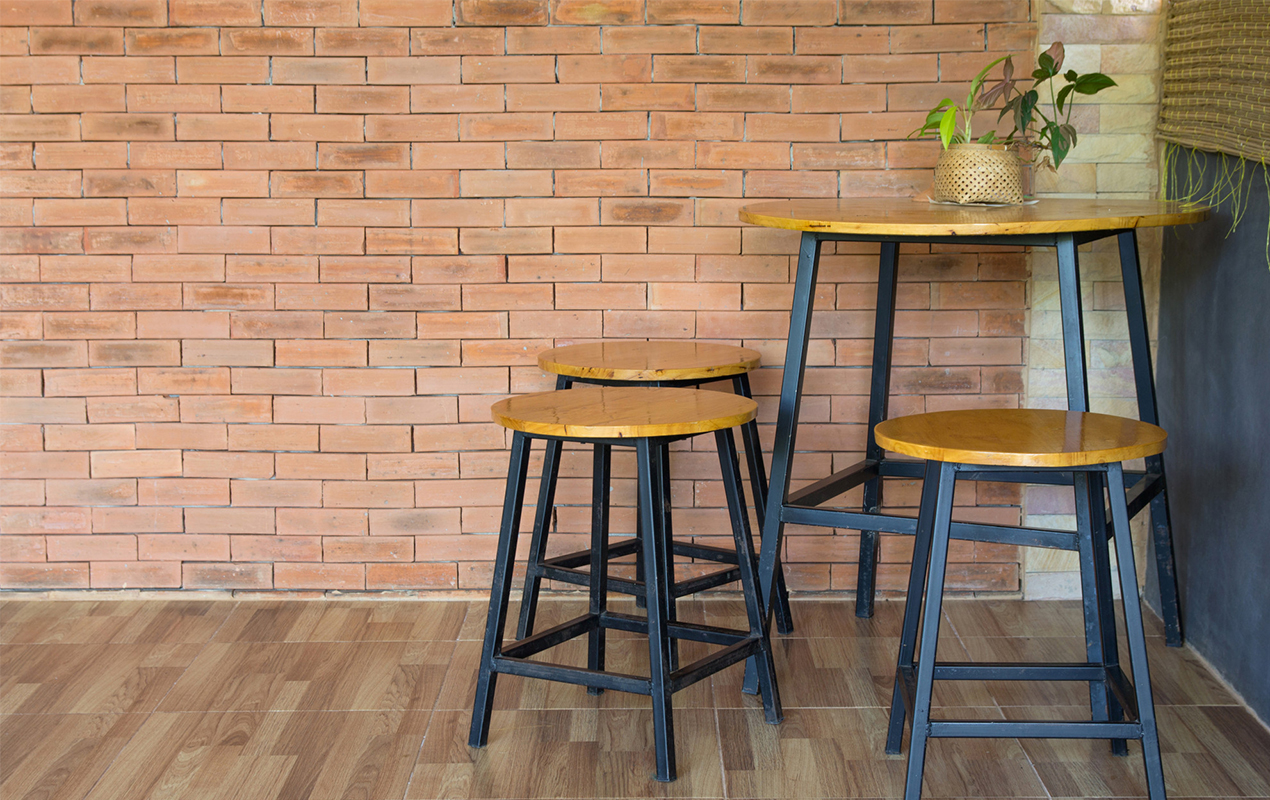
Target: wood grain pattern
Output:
[
  {"x": 623, "y": 412},
  {"x": 1021, "y": 437},
  {"x": 918, "y": 217},
  {"x": 333, "y": 700},
  {"x": 649, "y": 361}
]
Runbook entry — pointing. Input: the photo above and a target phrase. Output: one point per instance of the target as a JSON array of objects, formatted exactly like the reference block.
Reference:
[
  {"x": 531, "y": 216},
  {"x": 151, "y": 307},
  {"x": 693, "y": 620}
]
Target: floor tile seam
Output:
[
  {"x": 436, "y": 701},
  {"x": 159, "y": 702}
]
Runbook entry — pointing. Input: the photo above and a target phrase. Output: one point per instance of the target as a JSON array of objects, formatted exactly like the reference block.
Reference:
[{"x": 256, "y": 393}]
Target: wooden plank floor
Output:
[{"x": 370, "y": 700}]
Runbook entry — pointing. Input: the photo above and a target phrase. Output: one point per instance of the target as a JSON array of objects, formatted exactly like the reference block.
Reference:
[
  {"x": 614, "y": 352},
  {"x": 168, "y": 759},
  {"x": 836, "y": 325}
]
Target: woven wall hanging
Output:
[{"x": 1216, "y": 93}]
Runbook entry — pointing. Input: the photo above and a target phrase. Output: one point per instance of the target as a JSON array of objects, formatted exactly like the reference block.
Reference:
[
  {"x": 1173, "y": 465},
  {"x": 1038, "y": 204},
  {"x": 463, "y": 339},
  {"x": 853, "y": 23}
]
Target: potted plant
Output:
[{"x": 988, "y": 168}]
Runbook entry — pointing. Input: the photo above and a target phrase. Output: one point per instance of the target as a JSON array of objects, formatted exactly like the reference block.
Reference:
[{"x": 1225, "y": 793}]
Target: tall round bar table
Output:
[{"x": 1063, "y": 224}]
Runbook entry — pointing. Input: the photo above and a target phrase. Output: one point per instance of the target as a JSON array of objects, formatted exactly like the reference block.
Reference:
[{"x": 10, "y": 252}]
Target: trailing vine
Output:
[{"x": 1230, "y": 188}]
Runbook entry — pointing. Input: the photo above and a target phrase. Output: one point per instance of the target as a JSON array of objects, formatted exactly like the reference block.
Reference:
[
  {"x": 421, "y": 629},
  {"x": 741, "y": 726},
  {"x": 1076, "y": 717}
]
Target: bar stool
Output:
[
  {"x": 1089, "y": 446},
  {"x": 640, "y": 363},
  {"x": 648, "y": 419}
]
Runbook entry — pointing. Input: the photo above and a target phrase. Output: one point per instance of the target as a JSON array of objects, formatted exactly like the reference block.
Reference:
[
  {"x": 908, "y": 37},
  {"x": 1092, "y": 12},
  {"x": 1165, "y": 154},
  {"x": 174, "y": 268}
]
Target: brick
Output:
[
  {"x": 43, "y": 354},
  {"x": 161, "y": 435},
  {"x": 717, "y": 12},
  {"x": 74, "y": 41},
  {"x": 553, "y": 41},
  {"x": 131, "y": 69},
  {"x": 81, "y": 382},
  {"x": 171, "y": 42},
  {"x": 136, "y": 463},
  {"x": 616, "y": 68},
  {"x": 413, "y": 70},
  {"x": 229, "y": 520},
  {"x": 132, "y": 13},
  {"x": 316, "y": 127},
  {"x": 131, "y": 409},
  {"x": 89, "y": 437},
  {"x": 37, "y": 12},
  {"x": 129, "y": 353},
  {"x": 211, "y": 352},
  {"x": 266, "y": 41},
  {"x": 43, "y": 127},
  {"x": 106, "y": 492},
  {"x": 43, "y": 465},
  {"x": 392, "y": 576},
  {"x": 501, "y": 12},
  {"x": 405, "y": 12},
  {"x": 45, "y": 520},
  {"x": 275, "y": 548},
  {"x": 178, "y": 547},
  {"x": 368, "y": 382},
  {"x": 44, "y": 576},
  {"x": 318, "y": 70},
  {"x": 348, "y": 577},
  {"x": 226, "y": 576},
  {"x": 22, "y": 548},
  {"x": 314, "y": 184},
  {"x": 885, "y": 12},
  {"x": 314, "y": 13},
  {"x": 222, "y": 127},
  {"x": 319, "y": 521}
]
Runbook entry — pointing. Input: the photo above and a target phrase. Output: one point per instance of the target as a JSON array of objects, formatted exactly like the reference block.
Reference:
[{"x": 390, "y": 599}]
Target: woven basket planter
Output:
[{"x": 979, "y": 173}]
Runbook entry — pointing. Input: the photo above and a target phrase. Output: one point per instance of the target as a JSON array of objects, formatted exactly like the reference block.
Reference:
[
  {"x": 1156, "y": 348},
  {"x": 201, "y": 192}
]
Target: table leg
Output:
[
  {"x": 1073, "y": 324},
  {"x": 1144, "y": 381},
  {"x": 879, "y": 394},
  {"x": 786, "y": 427}
]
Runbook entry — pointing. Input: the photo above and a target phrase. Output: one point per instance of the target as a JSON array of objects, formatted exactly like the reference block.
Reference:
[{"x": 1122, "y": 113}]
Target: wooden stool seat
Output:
[
  {"x": 640, "y": 361},
  {"x": 1021, "y": 437},
  {"x": 623, "y": 412}
]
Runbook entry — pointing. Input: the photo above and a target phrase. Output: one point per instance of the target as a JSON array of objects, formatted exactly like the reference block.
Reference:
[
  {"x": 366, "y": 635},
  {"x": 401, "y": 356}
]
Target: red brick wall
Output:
[{"x": 268, "y": 262}]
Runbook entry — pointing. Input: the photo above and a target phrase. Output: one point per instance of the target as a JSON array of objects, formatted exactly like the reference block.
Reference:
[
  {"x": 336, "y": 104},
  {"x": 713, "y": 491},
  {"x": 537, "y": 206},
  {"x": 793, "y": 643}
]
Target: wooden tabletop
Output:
[
  {"x": 1020, "y": 437},
  {"x": 894, "y": 216}
]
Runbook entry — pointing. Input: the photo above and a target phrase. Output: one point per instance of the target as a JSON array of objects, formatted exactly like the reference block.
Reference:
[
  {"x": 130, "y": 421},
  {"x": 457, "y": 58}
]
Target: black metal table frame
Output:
[{"x": 1145, "y": 489}]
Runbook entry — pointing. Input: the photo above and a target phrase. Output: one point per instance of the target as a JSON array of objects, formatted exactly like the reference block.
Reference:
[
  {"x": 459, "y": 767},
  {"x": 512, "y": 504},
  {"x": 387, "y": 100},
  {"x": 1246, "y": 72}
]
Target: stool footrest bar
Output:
[
  {"x": 578, "y": 676},
  {"x": 1001, "y": 671},
  {"x": 889, "y": 523},
  {"x": 691, "y": 631},
  {"x": 544, "y": 640},
  {"x": 1030, "y": 729},
  {"x": 705, "y": 667}
]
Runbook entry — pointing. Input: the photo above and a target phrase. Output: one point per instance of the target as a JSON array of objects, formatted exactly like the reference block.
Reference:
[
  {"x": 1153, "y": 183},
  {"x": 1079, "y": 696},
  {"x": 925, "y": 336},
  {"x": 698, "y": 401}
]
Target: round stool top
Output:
[
  {"x": 1020, "y": 437},
  {"x": 648, "y": 361},
  {"x": 623, "y": 412}
]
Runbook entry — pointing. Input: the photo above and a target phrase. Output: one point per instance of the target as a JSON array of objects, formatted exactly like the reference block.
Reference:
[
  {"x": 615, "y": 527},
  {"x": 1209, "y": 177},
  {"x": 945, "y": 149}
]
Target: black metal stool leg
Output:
[
  {"x": 758, "y": 482},
  {"x": 1092, "y": 604},
  {"x": 657, "y": 593},
  {"x": 748, "y": 567},
  {"x": 879, "y": 395},
  {"x": 538, "y": 540},
  {"x": 1106, "y": 601},
  {"x": 500, "y": 590},
  {"x": 940, "y": 535},
  {"x": 913, "y": 605},
  {"x": 599, "y": 587},
  {"x": 1144, "y": 381},
  {"x": 672, "y": 612},
  {"x": 1136, "y": 635}
]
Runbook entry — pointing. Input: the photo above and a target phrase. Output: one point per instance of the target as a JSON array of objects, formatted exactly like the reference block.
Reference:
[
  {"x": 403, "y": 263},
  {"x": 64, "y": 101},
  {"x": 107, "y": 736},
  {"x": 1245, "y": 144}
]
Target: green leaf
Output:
[
  {"x": 947, "y": 126},
  {"x": 1069, "y": 131},
  {"x": 1071, "y": 75},
  {"x": 1058, "y": 143},
  {"x": 1023, "y": 114},
  {"x": 1093, "y": 83},
  {"x": 988, "y": 138},
  {"x": 1062, "y": 96},
  {"x": 1045, "y": 63}
]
